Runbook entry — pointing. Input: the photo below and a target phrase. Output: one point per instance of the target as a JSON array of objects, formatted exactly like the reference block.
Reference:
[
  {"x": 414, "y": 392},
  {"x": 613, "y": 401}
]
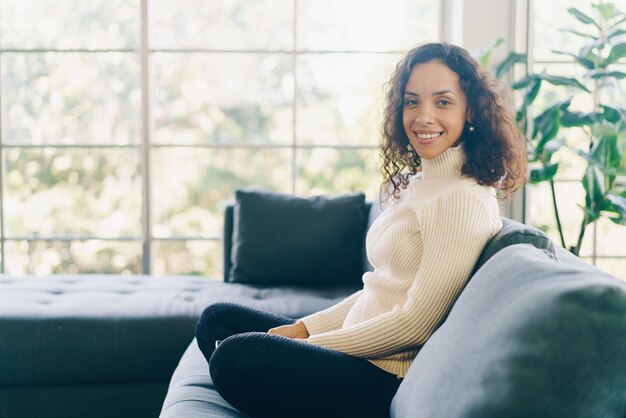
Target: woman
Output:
[{"x": 448, "y": 140}]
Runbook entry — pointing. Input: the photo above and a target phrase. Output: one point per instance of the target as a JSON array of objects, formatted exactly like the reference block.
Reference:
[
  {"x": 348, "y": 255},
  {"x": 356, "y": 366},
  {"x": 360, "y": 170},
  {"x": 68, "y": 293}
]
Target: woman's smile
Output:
[{"x": 426, "y": 137}]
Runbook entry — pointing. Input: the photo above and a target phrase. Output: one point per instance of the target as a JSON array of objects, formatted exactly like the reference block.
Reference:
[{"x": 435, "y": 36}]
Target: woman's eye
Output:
[
  {"x": 443, "y": 102},
  {"x": 411, "y": 102}
]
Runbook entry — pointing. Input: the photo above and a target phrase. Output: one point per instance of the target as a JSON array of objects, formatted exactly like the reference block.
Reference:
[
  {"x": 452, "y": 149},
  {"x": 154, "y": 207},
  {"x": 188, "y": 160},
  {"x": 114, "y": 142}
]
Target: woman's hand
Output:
[{"x": 297, "y": 330}]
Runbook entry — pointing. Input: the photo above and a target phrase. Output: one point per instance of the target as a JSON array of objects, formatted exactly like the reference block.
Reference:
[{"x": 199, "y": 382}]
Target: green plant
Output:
[{"x": 604, "y": 124}]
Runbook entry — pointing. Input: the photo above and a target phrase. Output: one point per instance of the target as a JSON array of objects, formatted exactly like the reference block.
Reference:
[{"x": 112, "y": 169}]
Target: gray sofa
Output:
[{"x": 537, "y": 332}]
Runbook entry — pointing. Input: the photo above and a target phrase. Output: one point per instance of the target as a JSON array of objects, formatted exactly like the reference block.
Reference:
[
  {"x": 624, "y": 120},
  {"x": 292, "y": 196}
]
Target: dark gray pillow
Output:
[
  {"x": 528, "y": 337},
  {"x": 512, "y": 233},
  {"x": 283, "y": 239}
]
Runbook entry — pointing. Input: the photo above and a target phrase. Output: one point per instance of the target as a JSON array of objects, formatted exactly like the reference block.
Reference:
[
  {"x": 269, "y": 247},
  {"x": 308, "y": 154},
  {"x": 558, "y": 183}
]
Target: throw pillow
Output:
[
  {"x": 515, "y": 233},
  {"x": 284, "y": 239}
]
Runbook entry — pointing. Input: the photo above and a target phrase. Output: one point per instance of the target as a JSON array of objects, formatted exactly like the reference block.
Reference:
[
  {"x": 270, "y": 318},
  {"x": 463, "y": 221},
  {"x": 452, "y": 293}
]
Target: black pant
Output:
[{"x": 265, "y": 375}]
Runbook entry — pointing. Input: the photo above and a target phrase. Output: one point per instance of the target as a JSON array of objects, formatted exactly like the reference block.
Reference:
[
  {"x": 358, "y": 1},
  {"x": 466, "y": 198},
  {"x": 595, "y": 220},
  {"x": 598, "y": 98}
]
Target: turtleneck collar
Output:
[{"x": 447, "y": 165}]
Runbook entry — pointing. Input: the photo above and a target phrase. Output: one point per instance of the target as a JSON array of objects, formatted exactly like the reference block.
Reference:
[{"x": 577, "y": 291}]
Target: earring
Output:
[
  {"x": 471, "y": 127},
  {"x": 409, "y": 148}
]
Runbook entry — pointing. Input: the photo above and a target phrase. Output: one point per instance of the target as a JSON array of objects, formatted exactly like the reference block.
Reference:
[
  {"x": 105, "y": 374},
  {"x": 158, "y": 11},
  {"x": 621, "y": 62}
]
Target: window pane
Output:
[
  {"x": 335, "y": 171},
  {"x": 232, "y": 24},
  {"x": 70, "y": 98},
  {"x": 223, "y": 98},
  {"x": 191, "y": 186},
  {"x": 552, "y": 16},
  {"x": 340, "y": 97},
  {"x": 614, "y": 266},
  {"x": 397, "y": 25},
  {"x": 610, "y": 238},
  {"x": 54, "y": 24},
  {"x": 51, "y": 192},
  {"x": 202, "y": 258},
  {"x": 72, "y": 257}
]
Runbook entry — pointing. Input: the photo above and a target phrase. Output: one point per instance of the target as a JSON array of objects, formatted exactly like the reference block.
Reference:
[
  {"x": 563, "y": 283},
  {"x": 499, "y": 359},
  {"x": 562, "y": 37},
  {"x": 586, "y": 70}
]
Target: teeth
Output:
[{"x": 428, "y": 136}]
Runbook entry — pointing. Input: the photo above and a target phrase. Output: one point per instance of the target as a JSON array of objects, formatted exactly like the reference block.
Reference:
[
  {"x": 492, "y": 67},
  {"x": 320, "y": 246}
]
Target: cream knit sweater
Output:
[{"x": 423, "y": 248}]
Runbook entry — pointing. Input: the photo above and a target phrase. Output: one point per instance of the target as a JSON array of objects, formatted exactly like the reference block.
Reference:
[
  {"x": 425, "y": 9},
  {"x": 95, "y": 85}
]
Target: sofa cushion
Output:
[
  {"x": 69, "y": 330},
  {"x": 191, "y": 392},
  {"x": 513, "y": 233},
  {"x": 284, "y": 239},
  {"x": 530, "y": 336}
]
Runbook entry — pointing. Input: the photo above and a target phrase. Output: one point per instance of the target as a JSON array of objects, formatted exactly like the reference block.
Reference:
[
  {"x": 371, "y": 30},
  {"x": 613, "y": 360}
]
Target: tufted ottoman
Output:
[{"x": 106, "y": 346}]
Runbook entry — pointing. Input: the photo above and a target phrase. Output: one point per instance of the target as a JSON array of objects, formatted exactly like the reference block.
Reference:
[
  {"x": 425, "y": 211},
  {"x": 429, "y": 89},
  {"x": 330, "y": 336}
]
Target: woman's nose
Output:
[{"x": 424, "y": 118}]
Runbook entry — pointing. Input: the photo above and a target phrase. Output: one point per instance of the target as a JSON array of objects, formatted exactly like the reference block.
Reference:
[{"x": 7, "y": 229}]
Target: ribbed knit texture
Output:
[{"x": 423, "y": 248}]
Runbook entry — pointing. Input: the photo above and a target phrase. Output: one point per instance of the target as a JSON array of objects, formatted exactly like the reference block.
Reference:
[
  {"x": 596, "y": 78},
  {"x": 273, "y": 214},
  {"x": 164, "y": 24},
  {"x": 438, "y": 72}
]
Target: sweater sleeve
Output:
[
  {"x": 454, "y": 230},
  {"x": 330, "y": 318}
]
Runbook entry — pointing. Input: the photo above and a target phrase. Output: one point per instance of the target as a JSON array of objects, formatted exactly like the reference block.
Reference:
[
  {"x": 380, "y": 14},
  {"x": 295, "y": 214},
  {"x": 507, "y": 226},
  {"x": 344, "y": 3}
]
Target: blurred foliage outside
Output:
[{"x": 228, "y": 110}]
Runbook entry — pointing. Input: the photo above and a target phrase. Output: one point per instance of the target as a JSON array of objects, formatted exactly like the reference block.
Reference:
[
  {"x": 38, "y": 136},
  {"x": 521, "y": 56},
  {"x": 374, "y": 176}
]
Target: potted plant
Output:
[{"x": 604, "y": 125}]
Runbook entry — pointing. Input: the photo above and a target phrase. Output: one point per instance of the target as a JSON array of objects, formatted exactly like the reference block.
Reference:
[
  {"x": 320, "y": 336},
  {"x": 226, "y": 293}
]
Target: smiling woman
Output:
[
  {"x": 438, "y": 97},
  {"x": 423, "y": 247}
]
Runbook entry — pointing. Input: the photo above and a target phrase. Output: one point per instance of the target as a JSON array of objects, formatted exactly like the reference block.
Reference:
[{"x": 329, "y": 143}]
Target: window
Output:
[
  {"x": 603, "y": 244},
  {"x": 122, "y": 145}
]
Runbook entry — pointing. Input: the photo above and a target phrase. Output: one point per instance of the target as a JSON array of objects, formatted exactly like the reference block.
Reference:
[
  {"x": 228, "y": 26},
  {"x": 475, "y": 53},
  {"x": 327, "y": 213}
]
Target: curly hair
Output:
[{"x": 495, "y": 150}]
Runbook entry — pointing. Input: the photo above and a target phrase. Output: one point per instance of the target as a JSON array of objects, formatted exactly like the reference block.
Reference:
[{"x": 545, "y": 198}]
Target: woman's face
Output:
[{"x": 434, "y": 109}]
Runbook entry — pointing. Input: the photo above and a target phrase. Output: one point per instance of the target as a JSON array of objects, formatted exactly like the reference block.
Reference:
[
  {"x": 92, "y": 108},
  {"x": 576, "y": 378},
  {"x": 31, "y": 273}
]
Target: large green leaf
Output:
[
  {"x": 613, "y": 114},
  {"x": 604, "y": 151},
  {"x": 598, "y": 74},
  {"x": 615, "y": 32},
  {"x": 563, "y": 81},
  {"x": 546, "y": 126},
  {"x": 524, "y": 82},
  {"x": 512, "y": 59},
  {"x": 606, "y": 10},
  {"x": 593, "y": 182},
  {"x": 520, "y": 118},
  {"x": 589, "y": 62},
  {"x": 618, "y": 51},
  {"x": 532, "y": 92},
  {"x": 616, "y": 205},
  {"x": 578, "y": 33},
  {"x": 543, "y": 173},
  {"x": 532, "y": 85},
  {"x": 485, "y": 55},
  {"x": 587, "y": 50},
  {"x": 611, "y": 157},
  {"x": 583, "y": 18},
  {"x": 605, "y": 158},
  {"x": 570, "y": 119}
]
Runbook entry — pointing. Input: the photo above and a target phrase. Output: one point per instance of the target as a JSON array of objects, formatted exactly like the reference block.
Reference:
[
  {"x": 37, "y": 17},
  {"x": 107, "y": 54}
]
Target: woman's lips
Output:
[{"x": 427, "y": 138}]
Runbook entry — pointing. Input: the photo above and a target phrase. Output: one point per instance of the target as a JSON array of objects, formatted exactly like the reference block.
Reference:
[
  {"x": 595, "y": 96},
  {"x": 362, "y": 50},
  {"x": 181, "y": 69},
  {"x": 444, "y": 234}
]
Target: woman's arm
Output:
[
  {"x": 454, "y": 230},
  {"x": 330, "y": 318},
  {"x": 326, "y": 320}
]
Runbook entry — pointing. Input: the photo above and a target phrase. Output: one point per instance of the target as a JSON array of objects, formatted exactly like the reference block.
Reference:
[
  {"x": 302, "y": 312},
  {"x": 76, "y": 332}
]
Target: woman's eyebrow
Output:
[
  {"x": 443, "y": 92},
  {"x": 437, "y": 93}
]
